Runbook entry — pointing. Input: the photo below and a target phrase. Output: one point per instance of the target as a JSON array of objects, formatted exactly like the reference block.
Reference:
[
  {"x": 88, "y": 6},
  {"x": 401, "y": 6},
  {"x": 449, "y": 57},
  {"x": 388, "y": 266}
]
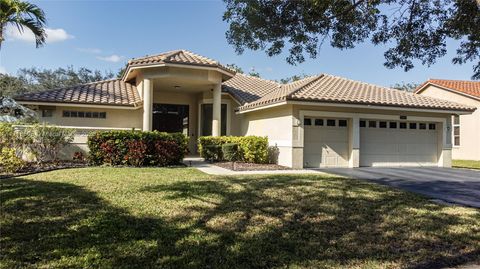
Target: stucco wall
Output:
[
  {"x": 469, "y": 148},
  {"x": 276, "y": 124}
]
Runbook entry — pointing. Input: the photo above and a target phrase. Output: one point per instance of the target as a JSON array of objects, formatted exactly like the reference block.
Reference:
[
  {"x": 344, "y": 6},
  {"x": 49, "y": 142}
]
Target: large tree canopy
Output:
[{"x": 411, "y": 29}]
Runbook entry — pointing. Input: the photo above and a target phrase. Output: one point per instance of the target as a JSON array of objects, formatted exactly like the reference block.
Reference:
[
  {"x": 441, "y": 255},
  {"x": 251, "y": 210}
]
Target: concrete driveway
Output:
[{"x": 460, "y": 186}]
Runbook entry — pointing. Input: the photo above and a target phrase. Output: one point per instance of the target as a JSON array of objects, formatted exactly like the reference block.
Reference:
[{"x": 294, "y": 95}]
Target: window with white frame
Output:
[{"x": 456, "y": 130}]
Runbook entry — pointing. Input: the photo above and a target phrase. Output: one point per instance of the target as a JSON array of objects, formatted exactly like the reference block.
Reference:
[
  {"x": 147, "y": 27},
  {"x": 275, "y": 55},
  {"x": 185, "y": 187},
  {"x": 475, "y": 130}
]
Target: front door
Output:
[{"x": 170, "y": 118}]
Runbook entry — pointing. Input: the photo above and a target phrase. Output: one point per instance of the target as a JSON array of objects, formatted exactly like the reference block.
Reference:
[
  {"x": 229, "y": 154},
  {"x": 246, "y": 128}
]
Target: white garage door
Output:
[
  {"x": 325, "y": 142},
  {"x": 391, "y": 143}
]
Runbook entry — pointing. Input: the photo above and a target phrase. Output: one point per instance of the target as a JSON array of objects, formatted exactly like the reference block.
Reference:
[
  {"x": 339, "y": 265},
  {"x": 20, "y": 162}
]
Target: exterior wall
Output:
[
  {"x": 276, "y": 124},
  {"x": 469, "y": 148}
]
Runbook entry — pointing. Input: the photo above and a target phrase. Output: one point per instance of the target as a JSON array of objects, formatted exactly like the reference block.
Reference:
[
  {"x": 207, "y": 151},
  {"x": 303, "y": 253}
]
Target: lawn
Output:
[
  {"x": 182, "y": 218},
  {"x": 466, "y": 164}
]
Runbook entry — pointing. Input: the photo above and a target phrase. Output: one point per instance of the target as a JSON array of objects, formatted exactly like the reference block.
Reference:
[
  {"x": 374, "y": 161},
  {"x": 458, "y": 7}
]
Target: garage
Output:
[
  {"x": 395, "y": 143},
  {"x": 326, "y": 142}
]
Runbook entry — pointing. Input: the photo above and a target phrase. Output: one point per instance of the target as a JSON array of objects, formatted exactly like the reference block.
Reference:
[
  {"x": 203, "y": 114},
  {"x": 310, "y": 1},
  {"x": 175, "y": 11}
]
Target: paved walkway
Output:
[{"x": 211, "y": 169}]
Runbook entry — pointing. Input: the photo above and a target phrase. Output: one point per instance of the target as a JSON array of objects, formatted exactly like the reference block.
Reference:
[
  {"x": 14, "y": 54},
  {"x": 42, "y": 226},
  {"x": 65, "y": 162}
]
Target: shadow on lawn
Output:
[{"x": 233, "y": 223}]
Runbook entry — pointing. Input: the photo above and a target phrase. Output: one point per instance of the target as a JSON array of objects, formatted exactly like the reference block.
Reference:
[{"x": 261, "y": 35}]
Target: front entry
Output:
[{"x": 170, "y": 118}]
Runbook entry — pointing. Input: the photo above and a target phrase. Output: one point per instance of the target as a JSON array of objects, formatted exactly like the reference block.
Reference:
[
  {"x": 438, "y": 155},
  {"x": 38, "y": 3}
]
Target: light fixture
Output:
[{"x": 176, "y": 86}]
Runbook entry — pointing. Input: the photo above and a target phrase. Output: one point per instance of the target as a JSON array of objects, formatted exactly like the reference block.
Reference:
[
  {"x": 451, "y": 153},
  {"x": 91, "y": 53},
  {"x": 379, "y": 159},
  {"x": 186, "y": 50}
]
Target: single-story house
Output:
[
  {"x": 319, "y": 121},
  {"x": 466, "y": 127}
]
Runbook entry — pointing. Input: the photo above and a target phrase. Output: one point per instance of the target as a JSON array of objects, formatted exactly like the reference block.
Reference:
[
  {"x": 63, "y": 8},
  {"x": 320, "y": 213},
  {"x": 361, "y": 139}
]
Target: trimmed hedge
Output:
[
  {"x": 252, "y": 149},
  {"x": 136, "y": 148}
]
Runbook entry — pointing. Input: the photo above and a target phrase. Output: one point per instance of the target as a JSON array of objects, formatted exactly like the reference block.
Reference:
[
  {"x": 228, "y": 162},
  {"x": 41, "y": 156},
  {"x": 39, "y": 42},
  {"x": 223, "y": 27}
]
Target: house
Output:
[
  {"x": 466, "y": 127},
  {"x": 319, "y": 121}
]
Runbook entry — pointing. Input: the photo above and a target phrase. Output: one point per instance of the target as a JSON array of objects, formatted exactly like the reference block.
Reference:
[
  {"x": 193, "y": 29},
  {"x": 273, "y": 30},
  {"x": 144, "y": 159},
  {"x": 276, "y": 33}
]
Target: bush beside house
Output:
[
  {"x": 136, "y": 148},
  {"x": 250, "y": 149}
]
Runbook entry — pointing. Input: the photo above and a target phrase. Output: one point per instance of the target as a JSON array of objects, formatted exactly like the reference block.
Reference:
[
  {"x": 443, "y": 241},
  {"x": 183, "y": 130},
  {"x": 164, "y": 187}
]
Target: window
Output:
[
  {"x": 307, "y": 122},
  {"x": 456, "y": 130},
  {"x": 47, "y": 113},
  {"x": 363, "y": 123},
  {"x": 403, "y": 125},
  {"x": 342, "y": 123},
  {"x": 422, "y": 126},
  {"x": 318, "y": 122},
  {"x": 393, "y": 125},
  {"x": 383, "y": 124},
  {"x": 372, "y": 124},
  {"x": 330, "y": 122},
  {"x": 84, "y": 114},
  {"x": 413, "y": 125},
  {"x": 431, "y": 126},
  {"x": 207, "y": 114}
]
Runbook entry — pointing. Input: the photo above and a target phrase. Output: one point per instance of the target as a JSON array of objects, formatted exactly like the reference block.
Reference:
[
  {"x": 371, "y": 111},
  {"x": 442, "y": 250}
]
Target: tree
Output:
[
  {"x": 254, "y": 73},
  {"x": 235, "y": 68},
  {"x": 34, "y": 79},
  {"x": 414, "y": 29},
  {"x": 409, "y": 87},
  {"x": 293, "y": 78},
  {"x": 23, "y": 15}
]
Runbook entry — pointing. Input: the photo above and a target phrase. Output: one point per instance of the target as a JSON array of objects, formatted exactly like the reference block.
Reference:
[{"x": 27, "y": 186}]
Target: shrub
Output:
[
  {"x": 45, "y": 142},
  {"x": 79, "y": 156},
  {"x": 7, "y": 135},
  {"x": 253, "y": 149},
  {"x": 136, "y": 148},
  {"x": 9, "y": 161},
  {"x": 230, "y": 152},
  {"x": 212, "y": 152}
]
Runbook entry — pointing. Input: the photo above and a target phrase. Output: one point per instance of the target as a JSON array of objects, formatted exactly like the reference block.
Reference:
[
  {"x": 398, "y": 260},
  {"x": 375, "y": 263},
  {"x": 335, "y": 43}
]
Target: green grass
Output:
[
  {"x": 466, "y": 164},
  {"x": 182, "y": 218}
]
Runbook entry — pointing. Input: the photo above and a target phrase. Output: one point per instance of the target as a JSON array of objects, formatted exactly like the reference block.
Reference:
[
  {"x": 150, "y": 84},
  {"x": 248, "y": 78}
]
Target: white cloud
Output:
[
  {"x": 90, "y": 50},
  {"x": 112, "y": 58},
  {"x": 3, "y": 70},
  {"x": 53, "y": 35}
]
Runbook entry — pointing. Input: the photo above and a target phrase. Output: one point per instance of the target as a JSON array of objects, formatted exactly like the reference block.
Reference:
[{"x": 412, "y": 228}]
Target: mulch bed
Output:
[
  {"x": 33, "y": 167},
  {"x": 241, "y": 166}
]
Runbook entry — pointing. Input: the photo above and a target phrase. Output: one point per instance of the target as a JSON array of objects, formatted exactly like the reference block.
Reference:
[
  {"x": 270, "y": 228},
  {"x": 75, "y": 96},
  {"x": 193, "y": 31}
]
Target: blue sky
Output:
[{"x": 105, "y": 34}]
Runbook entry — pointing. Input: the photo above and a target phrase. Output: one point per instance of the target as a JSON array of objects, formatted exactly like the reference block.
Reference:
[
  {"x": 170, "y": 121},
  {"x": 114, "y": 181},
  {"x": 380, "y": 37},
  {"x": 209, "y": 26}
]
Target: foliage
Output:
[
  {"x": 104, "y": 217},
  {"x": 293, "y": 78},
  {"x": 37, "y": 79},
  {"x": 46, "y": 142},
  {"x": 21, "y": 15},
  {"x": 7, "y": 135},
  {"x": 235, "y": 68},
  {"x": 11, "y": 111},
  {"x": 79, "y": 156},
  {"x": 136, "y": 148},
  {"x": 409, "y": 87},
  {"x": 414, "y": 29},
  {"x": 9, "y": 162},
  {"x": 254, "y": 73},
  {"x": 252, "y": 149},
  {"x": 230, "y": 152}
]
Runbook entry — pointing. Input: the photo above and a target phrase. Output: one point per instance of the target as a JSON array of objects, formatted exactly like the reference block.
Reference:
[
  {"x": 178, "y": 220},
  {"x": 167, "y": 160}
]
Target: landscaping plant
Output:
[
  {"x": 46, "y": 142},
  {"x": 251, "y": 149},
  {"x": 136, "y": 148},
  {"x": 9, "y": 161}
]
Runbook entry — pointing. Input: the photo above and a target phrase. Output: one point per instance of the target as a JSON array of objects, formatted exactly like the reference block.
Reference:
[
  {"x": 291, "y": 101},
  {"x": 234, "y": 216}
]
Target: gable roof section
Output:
[
  {"x": 470, "y": 88},
  {"x": 109, "y": 92},
  {"x": 247, "y": 89},
  {"x": 178, "y": 57},
  {"x": 332, "y": 89}
]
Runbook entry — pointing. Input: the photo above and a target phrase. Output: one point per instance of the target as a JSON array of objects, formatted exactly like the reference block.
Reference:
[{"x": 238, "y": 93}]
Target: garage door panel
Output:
[
  {"x": 398, "y": 147},
  {"x": 325, "y": 146}
]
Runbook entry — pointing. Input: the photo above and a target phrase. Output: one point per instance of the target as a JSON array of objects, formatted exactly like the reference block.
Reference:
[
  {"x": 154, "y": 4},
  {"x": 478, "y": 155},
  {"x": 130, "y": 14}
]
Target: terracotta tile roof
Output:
[
  {"x": 247, "y": 89},
  {"x": 332, "y": 89},
  {"x": 108, "y": 92},
  {"x": 178, "y": 57},
  {"x": 471, "y": 88}
]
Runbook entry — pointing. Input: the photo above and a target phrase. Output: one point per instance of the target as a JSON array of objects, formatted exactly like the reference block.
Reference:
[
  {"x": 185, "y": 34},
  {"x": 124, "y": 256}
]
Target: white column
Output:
[
  {"x": 147, "y": 104},
  {"x": 217, "y": 110},
  {"x": 445, "y": 143},
  {"x": 354, "y": 136}
]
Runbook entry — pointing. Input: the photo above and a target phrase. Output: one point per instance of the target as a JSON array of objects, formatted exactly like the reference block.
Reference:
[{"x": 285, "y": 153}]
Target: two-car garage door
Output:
[{"x": 382, "y": 143}]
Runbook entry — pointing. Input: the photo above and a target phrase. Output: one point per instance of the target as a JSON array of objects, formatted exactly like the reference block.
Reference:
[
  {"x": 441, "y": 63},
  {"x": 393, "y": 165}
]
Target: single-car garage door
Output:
[
  {"x": 392, "y": 143},
  {"x": 325, "y": 142}
]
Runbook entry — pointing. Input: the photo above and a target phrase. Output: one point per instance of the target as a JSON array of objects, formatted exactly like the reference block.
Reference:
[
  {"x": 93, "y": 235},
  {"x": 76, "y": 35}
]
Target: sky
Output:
[{"x": 104, "y": 35}]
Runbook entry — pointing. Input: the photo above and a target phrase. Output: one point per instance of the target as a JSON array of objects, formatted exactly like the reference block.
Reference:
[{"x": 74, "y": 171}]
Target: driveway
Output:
[{"x": 460, "y": 186}]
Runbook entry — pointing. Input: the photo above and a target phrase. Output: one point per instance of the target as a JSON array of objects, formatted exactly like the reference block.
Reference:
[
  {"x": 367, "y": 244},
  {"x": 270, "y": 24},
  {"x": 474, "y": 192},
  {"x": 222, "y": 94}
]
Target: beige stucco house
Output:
[
  {"x": 466, "y": 127},
  {"x": 319, "y": 121}
]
